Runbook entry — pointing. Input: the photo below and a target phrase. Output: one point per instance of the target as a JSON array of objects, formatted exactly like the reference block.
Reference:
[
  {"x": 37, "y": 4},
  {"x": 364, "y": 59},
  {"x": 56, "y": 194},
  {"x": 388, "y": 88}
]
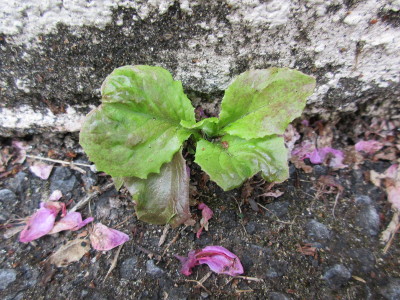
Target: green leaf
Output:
[
  {"x": 137, "y": 128},
  {"x": 263, "y": 102},
  {"x": 163, "y": 198},
  {"x": 231, "y": 161},
  {"x": 209, "y": 126},
  {"x": 118, "y": 182}
]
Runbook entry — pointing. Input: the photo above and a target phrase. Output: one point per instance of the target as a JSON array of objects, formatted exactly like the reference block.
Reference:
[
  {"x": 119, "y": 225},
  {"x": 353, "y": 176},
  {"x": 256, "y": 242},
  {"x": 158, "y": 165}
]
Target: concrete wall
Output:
[{"x": 55, "y": 54}]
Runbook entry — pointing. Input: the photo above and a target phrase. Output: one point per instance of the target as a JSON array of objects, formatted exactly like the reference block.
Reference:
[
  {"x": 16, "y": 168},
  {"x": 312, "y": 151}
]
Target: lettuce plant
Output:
[{"x": 136, "y": 135}]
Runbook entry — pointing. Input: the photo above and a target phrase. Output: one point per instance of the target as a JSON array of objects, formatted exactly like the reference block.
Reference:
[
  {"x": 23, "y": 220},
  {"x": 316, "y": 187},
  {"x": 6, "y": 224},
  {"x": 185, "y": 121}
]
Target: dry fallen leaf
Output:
[{"x": 70, "y": 252}]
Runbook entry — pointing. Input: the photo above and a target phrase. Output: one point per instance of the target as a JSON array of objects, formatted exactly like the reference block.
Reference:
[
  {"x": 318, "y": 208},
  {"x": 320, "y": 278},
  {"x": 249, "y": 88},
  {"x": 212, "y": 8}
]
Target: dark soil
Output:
[{"x": 293, "y": 247}]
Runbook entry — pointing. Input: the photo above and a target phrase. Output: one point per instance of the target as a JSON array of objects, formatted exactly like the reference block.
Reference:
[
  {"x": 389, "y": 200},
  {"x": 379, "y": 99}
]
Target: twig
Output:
[
  {"x": 156, "y": 256},
  {"x": 243, "y": 291},
  {"x": 250, "y": 278},
  {"x": 277, "y": 218},
  {"x": 173, "y": 240},
  {"x": 334, "y": 205},
  {"x": 389, "y": 243},
  {"x": 89, "y": 197},
  {"x": 164, "y": 235},
  {"x": 59, "y": 161},
  {"x": 124, "y": 221},
  {"x": 113, "y": 263},
  {"x": 240, "y": 211},
  {"x": 201, "y": 281}
]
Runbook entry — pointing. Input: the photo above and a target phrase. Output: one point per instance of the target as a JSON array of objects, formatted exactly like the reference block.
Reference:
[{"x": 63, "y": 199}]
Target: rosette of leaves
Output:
[{"x": 136, "y": 134}]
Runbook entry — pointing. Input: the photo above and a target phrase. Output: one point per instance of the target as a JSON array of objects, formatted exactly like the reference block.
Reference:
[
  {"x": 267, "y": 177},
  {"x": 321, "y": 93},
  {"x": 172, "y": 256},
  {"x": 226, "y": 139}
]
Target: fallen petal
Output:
[
  {"x": 38, "y": 225},
  {"x": 41, "y": 170},
  {"x": 72, "y": 221},
  {"x": 369, "y": 147},
  {"x": 21, "y": 151},
  {"x": 104, "y": 238},
  {"x": 55, "y": 196},
  {"x": 206, "y": 214},
  {"x": 315, "y": 157},
  {"x": 188, "y": 263},
  {"x": 394, "y": 196},
  {"x": 219, "y": 260}
]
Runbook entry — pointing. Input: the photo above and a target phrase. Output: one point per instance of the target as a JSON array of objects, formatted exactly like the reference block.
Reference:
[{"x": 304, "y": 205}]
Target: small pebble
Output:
[
  {"x": 7, "y": 276},
  {"x": 337, "y": 276},
  {"x": 152, "y": 269},
  {"x": 317, "y": 232}
]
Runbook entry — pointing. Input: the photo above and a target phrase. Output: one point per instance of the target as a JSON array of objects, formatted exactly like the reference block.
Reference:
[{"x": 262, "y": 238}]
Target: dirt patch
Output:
[{"x": 296, "y": 246}]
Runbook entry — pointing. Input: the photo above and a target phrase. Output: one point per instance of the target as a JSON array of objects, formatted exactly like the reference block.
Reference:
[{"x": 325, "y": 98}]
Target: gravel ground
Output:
[{"x": 296, "y": 246}]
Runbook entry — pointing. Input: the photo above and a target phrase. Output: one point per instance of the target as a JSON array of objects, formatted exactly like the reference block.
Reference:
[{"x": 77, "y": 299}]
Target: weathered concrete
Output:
[{"x": 55, "y": 54}]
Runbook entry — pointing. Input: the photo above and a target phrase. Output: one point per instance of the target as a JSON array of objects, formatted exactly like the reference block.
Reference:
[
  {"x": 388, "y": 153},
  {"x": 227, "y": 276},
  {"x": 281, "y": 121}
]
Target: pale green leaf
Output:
[
  {"x": 163, "y": 198},
  {"x": 137, "y": 128},
  {"x": 209, "y": 125},
  {"x": 263, "y": 102},
  {"x": 232, "y": 160}
]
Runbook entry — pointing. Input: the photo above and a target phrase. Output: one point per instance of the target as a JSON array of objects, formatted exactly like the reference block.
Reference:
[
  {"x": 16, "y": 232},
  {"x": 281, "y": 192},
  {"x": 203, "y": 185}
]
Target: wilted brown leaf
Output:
[{"x": 70, "y": 252}]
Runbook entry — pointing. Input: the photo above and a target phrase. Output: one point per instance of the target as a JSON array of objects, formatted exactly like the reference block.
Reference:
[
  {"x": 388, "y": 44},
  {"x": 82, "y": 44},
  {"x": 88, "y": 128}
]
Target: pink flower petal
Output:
[
  {"x": 55, "y": 196},
  {"x": 41, "y": 170},
  {"x": 38, "y": 225},
  {"x": 72, "y": 221},
  {"x": 369, "y": 147},
  {"x": 394, "y": 196},
  {"x": 335, "y": 162},
  {"x": 55, "y": 206},
  {"x": 206, "y": 214},
  {"x": 188, "y": 263},
  {"x": 303, "y": 150},
  {"x": 104, "y": 238},
  {"x": 21, "y": 151},
  {"x": 219, "y": 260},
  {"x": 391, "y": 172},
  {"x": 315, "y": 157}
]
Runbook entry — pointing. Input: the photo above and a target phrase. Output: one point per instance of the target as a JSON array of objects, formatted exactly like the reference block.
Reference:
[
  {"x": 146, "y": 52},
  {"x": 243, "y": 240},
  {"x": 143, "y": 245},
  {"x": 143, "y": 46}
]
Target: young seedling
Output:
[{"x": 136, "y": 134}]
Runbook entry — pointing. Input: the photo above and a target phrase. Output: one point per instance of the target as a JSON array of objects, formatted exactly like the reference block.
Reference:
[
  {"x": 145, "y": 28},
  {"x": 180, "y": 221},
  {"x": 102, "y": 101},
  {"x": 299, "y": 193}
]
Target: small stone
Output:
[
  {"x": 276, "y": 269},
  {"x": 391, "y": 291},
  {"x": 7, "y": 197},
  {"x": 278, "y": 296},
  {"x": 7, "y": 276},
  {"x": 337, "y": 276},
  {"x": 19, "y": 183},
  {"x": 317, "y": 232},
  {"x": 128, "y": 267},
  {"x": 64, "y": 180},
  {"x": 364, "y": 259},
  {"x": 178, "y": 294},
  {"x": 204, "y": 295},
  {"x": 250, "y": 227},
  {"x": 30, "y": 276},
  {"x": 368, "y": 220},
  {"x": 319, "y": 170},
  {"x": 363, "y": 200},
  {"x": 277, "y": 208},
  {"x": 152, "y": 269}
]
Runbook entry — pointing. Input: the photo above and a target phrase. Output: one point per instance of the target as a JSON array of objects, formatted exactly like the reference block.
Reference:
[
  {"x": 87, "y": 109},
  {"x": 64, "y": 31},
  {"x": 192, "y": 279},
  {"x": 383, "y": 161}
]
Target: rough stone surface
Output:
[
  {"x": 57, "y": 53},
  {"x": 152, "y": 269},
  {"x": 392, "y": 290},
  {"x": 337, "y": 276},
  {"x": 278, "y": 296},
  {"x": 364, "y": 259},
  {"x": 128, "y": 267},
  {"x": 368, "y": 220},
  {"x": 317, "y": 232},
  {"x": 62, "y": 179},
  {"x": 278, "y": 209},
  {"x": 7, "y": 276}
]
